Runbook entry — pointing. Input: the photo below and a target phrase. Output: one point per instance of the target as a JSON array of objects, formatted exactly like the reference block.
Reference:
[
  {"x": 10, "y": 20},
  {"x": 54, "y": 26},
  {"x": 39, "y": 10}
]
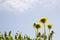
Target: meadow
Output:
[{"x": 36, "y": 26}]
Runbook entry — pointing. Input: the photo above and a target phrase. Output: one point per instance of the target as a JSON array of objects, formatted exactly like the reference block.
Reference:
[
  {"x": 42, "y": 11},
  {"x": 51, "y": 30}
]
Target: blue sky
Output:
[{"x": 19, "y": 15}]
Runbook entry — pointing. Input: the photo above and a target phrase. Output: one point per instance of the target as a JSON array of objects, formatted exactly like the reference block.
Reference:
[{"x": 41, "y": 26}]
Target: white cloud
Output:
[
  {"x": 18, "y": 4},
  {"x": 26, "y": 4}
]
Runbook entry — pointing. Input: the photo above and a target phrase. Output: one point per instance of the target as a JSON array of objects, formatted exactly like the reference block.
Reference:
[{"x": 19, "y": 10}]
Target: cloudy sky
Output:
[{"x": 19, "y": 15}]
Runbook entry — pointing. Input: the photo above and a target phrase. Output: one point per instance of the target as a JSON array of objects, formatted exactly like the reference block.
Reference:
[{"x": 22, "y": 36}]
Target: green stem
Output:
[
  {"x": 36, "y": 34},
  {"x": 49, "y": 31},
  {"x": 51, "y": 37},
  {"x": 37, "y": 31},
  {"x": 44, "y": 31}
]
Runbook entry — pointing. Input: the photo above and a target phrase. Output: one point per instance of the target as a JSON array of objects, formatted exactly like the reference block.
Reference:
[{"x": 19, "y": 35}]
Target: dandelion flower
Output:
[
  {"x": 49, "y": 26},
  {"x": 43, "y": 19},
  {"x": 37, "y": 26}
]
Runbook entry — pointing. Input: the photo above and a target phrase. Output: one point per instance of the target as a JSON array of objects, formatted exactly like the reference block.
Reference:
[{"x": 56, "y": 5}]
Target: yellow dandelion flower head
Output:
[
  {"x": 49, "y": 26},
  {"x": 43, "y": 19},
  {"x": 37, "y": 26}
]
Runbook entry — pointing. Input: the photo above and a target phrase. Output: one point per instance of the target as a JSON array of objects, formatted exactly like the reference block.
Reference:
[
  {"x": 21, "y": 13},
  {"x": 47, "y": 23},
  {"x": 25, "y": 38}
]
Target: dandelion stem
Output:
[
  {"x": 44, "y": 29},
  {"x": 49, "y": 31},
  {"x": 37, "y": 31},
  {"x": 51, "y": 38}
]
